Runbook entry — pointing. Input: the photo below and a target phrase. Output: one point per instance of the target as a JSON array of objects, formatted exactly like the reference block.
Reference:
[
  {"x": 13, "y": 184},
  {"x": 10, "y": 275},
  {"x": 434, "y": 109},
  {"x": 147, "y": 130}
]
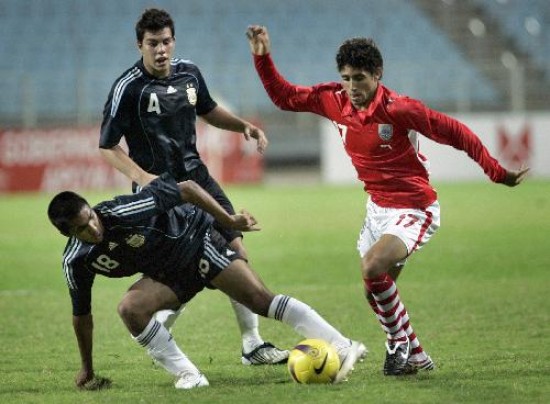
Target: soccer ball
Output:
[{"x": 313, "y": 361}]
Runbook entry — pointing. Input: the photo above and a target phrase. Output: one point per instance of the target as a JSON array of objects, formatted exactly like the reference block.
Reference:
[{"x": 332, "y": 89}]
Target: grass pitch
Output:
[{"x": 476, "y": 294}]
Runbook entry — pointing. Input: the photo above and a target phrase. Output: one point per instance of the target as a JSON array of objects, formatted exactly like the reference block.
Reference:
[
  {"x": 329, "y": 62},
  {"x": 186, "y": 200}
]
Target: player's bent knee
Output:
[
  {"x": 130, "y": 308},
  {"x": 372, "y": 267}
]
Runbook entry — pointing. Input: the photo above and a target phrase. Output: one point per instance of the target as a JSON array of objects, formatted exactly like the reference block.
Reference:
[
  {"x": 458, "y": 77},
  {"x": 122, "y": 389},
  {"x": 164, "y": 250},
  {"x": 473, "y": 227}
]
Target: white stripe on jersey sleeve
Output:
[
  {"x": 68, "y": 268},
  {"x": 130, "y": 208},
  {"x": 176, "y": 61},
  {"x": 121, "y": 86}
]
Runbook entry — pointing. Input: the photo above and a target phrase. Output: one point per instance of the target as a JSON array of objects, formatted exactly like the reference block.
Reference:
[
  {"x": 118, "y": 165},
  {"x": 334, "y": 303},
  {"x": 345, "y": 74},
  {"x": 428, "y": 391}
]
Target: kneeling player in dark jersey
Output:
[{"x": 166, "y": 233}]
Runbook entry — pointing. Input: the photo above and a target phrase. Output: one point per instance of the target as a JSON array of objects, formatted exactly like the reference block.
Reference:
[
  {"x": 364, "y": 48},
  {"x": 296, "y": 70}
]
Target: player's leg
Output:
[
  {"x": 387, "y": 238},
  {"x": 418, "y": 359},
  {"x": 136, "y": 309},
  {"x": 167, "y": 317},
  {"x": 255, "y": 351},
  {"x": 241, "y": 283},
  {"x": 382, "y": 256}
]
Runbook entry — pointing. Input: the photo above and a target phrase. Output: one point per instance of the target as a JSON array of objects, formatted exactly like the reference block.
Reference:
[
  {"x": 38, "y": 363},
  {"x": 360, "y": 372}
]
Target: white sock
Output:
[
  {"x": 305, "y": 321},
  {"x": 168, "y": 317},
  {"x": 248, "y": 324},
  {"x": 162, "y": 347}
]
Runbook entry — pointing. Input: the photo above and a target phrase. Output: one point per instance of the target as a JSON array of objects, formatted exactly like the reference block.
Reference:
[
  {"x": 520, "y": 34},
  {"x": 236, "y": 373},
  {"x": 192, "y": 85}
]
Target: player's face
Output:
[
  {"x": 86, "y": 226},
  {"x": 157, "y": 49},
  {"x": 360, "y": 86}
]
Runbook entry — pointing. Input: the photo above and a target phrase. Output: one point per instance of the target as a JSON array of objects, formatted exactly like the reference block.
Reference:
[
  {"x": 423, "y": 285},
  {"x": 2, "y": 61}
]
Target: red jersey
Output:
[{"x": 381, "y": 141}]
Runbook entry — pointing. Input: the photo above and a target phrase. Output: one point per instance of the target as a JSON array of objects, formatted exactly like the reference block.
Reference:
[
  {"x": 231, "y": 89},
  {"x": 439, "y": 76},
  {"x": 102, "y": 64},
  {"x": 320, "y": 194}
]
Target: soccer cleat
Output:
[
  {"x": 397, "y": 355},
  {"x": 348, "y": 357},
  {"x": 414, "y": 366},
  {"x": 363, "y": 351},
  {"x": 190, "y": 379},
  {"x": 265, "y": 354}
]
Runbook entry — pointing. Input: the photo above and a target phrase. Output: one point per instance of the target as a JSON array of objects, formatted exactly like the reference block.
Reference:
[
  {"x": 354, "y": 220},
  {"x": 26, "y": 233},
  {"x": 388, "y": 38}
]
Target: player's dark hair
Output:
[
  {"x": 360, "y": 53},
  {"x": 154, "y": 20},
  {"x": 64, "y": 207}
]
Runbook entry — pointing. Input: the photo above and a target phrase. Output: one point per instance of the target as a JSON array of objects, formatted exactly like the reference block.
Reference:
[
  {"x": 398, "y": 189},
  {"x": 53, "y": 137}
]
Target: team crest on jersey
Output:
[
  {"x": 135, "y": 240},
  {"x": 385, "y": 131},
  {"x": 191, "y": 95}
]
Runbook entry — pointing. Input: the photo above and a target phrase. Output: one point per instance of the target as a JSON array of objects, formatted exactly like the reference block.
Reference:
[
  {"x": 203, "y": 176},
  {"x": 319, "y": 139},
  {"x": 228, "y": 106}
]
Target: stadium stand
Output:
[
  {"x": 527, "y": 22},
  {"x": 60, "y": 57}
]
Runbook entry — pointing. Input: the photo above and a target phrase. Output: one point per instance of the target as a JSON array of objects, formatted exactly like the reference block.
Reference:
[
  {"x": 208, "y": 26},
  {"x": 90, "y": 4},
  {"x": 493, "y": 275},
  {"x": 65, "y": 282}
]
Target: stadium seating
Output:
[
  {"x": 527, "y": 23},
  {"x": 62, "y": 56}
]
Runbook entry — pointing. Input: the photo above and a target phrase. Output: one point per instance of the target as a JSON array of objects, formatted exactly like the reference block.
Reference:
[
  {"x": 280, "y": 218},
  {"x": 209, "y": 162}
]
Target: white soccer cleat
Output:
[
  {"x": 348, "y": 357},
  {"x": 414, "y": 366},
  {"x": 190, "y": 379},
  {"x": 265, "y": 354},
  {"x": 363, "y": 351}
]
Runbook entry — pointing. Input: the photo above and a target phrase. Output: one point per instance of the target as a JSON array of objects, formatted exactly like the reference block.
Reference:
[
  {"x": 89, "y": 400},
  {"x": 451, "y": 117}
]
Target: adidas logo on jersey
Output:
[
  {"x": 171, "y": 90},
  {"x": 112, "y": 245}
]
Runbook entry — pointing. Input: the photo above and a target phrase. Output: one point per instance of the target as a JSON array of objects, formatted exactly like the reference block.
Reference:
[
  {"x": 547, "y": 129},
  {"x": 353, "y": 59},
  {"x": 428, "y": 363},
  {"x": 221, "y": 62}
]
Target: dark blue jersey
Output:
[
  {"x": 150, "y": 232},
  {"x": 157, "y": 117}
]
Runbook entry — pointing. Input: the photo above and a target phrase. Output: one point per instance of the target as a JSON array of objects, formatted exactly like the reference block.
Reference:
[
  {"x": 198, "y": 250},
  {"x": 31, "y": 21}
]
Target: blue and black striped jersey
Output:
[
  {"x": 149, "y": 232},
  {"x": 157, "y": 117}
]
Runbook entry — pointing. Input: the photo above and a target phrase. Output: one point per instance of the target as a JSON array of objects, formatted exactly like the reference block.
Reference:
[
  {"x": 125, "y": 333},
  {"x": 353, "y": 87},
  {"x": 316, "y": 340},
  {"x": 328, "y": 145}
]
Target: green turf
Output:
[{"x": 476, "y": 294}]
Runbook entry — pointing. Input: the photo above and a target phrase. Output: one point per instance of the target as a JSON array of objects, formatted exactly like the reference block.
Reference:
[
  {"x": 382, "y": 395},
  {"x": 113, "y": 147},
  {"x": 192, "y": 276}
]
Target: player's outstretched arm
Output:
[
  {"x": 224, "y": 119},
  {"x": 514, "y": 178},
  {"x": 193, "y": 193},
  {"x": 119, "y": 159}
]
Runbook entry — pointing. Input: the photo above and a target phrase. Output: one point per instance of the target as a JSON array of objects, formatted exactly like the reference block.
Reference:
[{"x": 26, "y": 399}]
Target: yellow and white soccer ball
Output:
[{"x": 313, "y": 361}]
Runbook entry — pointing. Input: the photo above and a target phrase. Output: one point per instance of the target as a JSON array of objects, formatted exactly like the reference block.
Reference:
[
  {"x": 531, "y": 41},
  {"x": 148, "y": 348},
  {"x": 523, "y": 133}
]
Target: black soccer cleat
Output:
[{"x": 397, "y": 355}]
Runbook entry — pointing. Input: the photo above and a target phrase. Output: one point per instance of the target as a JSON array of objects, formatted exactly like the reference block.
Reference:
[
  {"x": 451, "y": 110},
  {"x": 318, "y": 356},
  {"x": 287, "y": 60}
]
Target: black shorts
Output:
[{"x": 213, "y": 256}]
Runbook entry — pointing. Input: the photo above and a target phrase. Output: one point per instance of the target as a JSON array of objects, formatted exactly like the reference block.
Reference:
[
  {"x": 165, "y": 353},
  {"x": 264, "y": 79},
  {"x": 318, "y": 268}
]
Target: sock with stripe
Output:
[
  {"x": 391, "y": 312},
  {"x": 305, "y": 321},
  {"x": 162, "y": 348}
]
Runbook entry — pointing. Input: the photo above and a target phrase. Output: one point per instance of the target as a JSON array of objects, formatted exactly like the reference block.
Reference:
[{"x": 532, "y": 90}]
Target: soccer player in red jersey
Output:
[{"x": 379, "y": 130}]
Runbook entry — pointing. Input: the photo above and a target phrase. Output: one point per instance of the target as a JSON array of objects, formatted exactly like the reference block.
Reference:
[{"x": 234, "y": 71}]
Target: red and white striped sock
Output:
[
  {"x": 417, "y": 352},
  {"x": 391, "y": 312}
]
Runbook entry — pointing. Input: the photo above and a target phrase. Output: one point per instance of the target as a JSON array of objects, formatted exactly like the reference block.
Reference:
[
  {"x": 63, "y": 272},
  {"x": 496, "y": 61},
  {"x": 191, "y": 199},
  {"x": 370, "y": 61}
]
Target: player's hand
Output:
[
  {"x": 258, "y": 39},
  {"x": 97, "y": 383},
  {"x": 251, "y": 131},
  {"x": 514, "y": 178},
  {"x": 244, "y": 221},
  {"x": 87, "y": 380}
]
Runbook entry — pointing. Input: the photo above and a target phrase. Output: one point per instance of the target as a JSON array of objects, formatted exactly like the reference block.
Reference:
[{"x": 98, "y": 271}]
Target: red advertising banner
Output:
[
  {"x": 56, "y": 159},
  {"x": 53, "y": 160}
]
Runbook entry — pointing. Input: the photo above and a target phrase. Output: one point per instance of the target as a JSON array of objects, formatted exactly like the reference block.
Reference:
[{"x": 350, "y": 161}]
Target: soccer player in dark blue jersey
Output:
[
  {"x": 154, "y": 105},
  {"x": 179, "y": 252}
]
